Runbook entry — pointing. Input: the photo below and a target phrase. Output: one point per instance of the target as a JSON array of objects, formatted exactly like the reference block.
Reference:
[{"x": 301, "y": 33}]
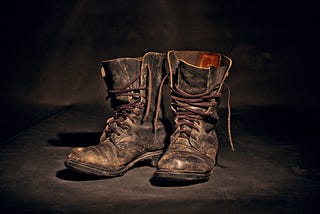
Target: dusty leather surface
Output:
[
  {"x": 115, "y": 151},
  {"x": 193, "y": 154},
  {"x": 118, "y": 149}
]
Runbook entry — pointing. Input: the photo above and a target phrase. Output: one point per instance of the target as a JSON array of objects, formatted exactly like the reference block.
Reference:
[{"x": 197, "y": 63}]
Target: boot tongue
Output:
[
  {"x": 121, "y": 72},
  {"x": 191, "y": 79}
]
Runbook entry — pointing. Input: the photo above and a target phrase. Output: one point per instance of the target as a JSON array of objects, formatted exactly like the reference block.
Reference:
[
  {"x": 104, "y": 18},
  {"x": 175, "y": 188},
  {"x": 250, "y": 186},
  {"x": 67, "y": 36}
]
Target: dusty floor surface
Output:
[{"x": 267, "y": 174}]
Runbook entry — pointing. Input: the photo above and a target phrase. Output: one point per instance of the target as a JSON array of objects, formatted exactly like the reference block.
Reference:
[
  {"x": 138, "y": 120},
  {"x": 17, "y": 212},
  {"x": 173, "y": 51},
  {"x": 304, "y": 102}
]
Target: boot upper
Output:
[
  {"x": 196, "y": 79},
  {"x": 133, "y": 88}
]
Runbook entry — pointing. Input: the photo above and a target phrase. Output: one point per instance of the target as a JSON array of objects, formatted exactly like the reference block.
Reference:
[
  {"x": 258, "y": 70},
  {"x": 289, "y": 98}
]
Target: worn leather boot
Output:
[
  {"x": 135, "y": 132},
  {"x": 196, "y": 80}
]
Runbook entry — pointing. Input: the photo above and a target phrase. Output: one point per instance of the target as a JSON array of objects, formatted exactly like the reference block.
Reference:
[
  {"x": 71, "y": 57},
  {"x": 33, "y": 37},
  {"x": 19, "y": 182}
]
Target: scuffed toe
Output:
[{"x": 184, "y": 162}]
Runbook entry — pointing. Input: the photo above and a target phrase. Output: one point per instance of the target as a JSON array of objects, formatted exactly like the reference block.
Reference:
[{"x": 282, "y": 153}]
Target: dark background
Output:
[
  {"x": 51, "y": 50},
  {"x": 50, "y": 60}
]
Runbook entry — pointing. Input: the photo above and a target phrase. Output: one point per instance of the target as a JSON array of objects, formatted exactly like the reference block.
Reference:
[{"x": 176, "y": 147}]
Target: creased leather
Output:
[
  {"x": 193, "y": 154},
  {"x": 117, "y": 150}
]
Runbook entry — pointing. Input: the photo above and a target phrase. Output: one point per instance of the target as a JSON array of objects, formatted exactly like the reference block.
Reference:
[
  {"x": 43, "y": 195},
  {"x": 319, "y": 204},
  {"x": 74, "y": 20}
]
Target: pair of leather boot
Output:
[{"x": 138, "y": 130}]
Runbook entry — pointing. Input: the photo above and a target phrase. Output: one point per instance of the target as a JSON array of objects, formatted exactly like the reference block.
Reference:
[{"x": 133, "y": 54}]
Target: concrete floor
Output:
[{"x": 267, "y": 174}]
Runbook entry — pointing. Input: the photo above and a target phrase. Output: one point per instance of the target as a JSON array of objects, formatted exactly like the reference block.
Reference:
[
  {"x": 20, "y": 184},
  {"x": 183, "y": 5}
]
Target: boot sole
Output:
[
  {"x": 165, "y": 175},
  {"x": 90, "y": 169}
]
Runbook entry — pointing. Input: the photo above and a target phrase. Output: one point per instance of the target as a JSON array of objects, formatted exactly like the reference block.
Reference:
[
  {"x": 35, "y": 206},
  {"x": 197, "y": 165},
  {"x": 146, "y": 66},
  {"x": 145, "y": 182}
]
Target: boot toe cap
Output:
[
  {"x": 185, "y": 162},
  {"x": 86, "y": 155}
]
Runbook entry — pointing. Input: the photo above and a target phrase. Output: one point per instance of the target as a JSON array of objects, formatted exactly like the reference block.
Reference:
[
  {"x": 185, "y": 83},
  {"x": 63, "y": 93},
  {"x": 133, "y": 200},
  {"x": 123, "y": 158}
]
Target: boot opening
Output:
[{"x": 202, "y": 59}]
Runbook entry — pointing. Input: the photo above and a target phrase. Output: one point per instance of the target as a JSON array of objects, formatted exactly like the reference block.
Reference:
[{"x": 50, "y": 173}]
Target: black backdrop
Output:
[{"x": 51, "y": 50}]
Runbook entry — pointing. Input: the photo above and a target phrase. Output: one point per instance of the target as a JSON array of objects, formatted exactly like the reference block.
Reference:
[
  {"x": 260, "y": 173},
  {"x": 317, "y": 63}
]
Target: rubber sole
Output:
[
  {"x": 91, "y": 169},
  {"x": 181, "y": 176}
]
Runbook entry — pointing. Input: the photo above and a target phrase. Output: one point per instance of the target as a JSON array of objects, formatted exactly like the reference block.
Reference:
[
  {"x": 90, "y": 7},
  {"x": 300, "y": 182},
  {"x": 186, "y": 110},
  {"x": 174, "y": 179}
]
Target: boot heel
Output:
[{"x": 154, "y": 160}]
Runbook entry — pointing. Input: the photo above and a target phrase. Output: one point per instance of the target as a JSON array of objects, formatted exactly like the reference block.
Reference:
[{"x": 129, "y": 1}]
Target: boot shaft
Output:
[
  {"x": 196, "y": 79},
  {"x": 144, "y": 74},
  {"x": 195, "y": 72},
  {"x": 199, "y": 73},
  {"x": 122, "y": 73}
]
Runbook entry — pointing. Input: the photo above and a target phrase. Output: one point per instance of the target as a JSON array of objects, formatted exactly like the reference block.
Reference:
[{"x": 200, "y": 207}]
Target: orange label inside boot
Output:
[{"x": 207, "y": 60}]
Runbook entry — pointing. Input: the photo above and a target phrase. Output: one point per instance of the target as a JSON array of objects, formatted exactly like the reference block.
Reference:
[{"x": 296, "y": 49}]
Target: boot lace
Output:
[
  {"x": 124, "y": 111},
  {"x": 127, "y": 110},
  {"x": 190, "y": 109}
]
